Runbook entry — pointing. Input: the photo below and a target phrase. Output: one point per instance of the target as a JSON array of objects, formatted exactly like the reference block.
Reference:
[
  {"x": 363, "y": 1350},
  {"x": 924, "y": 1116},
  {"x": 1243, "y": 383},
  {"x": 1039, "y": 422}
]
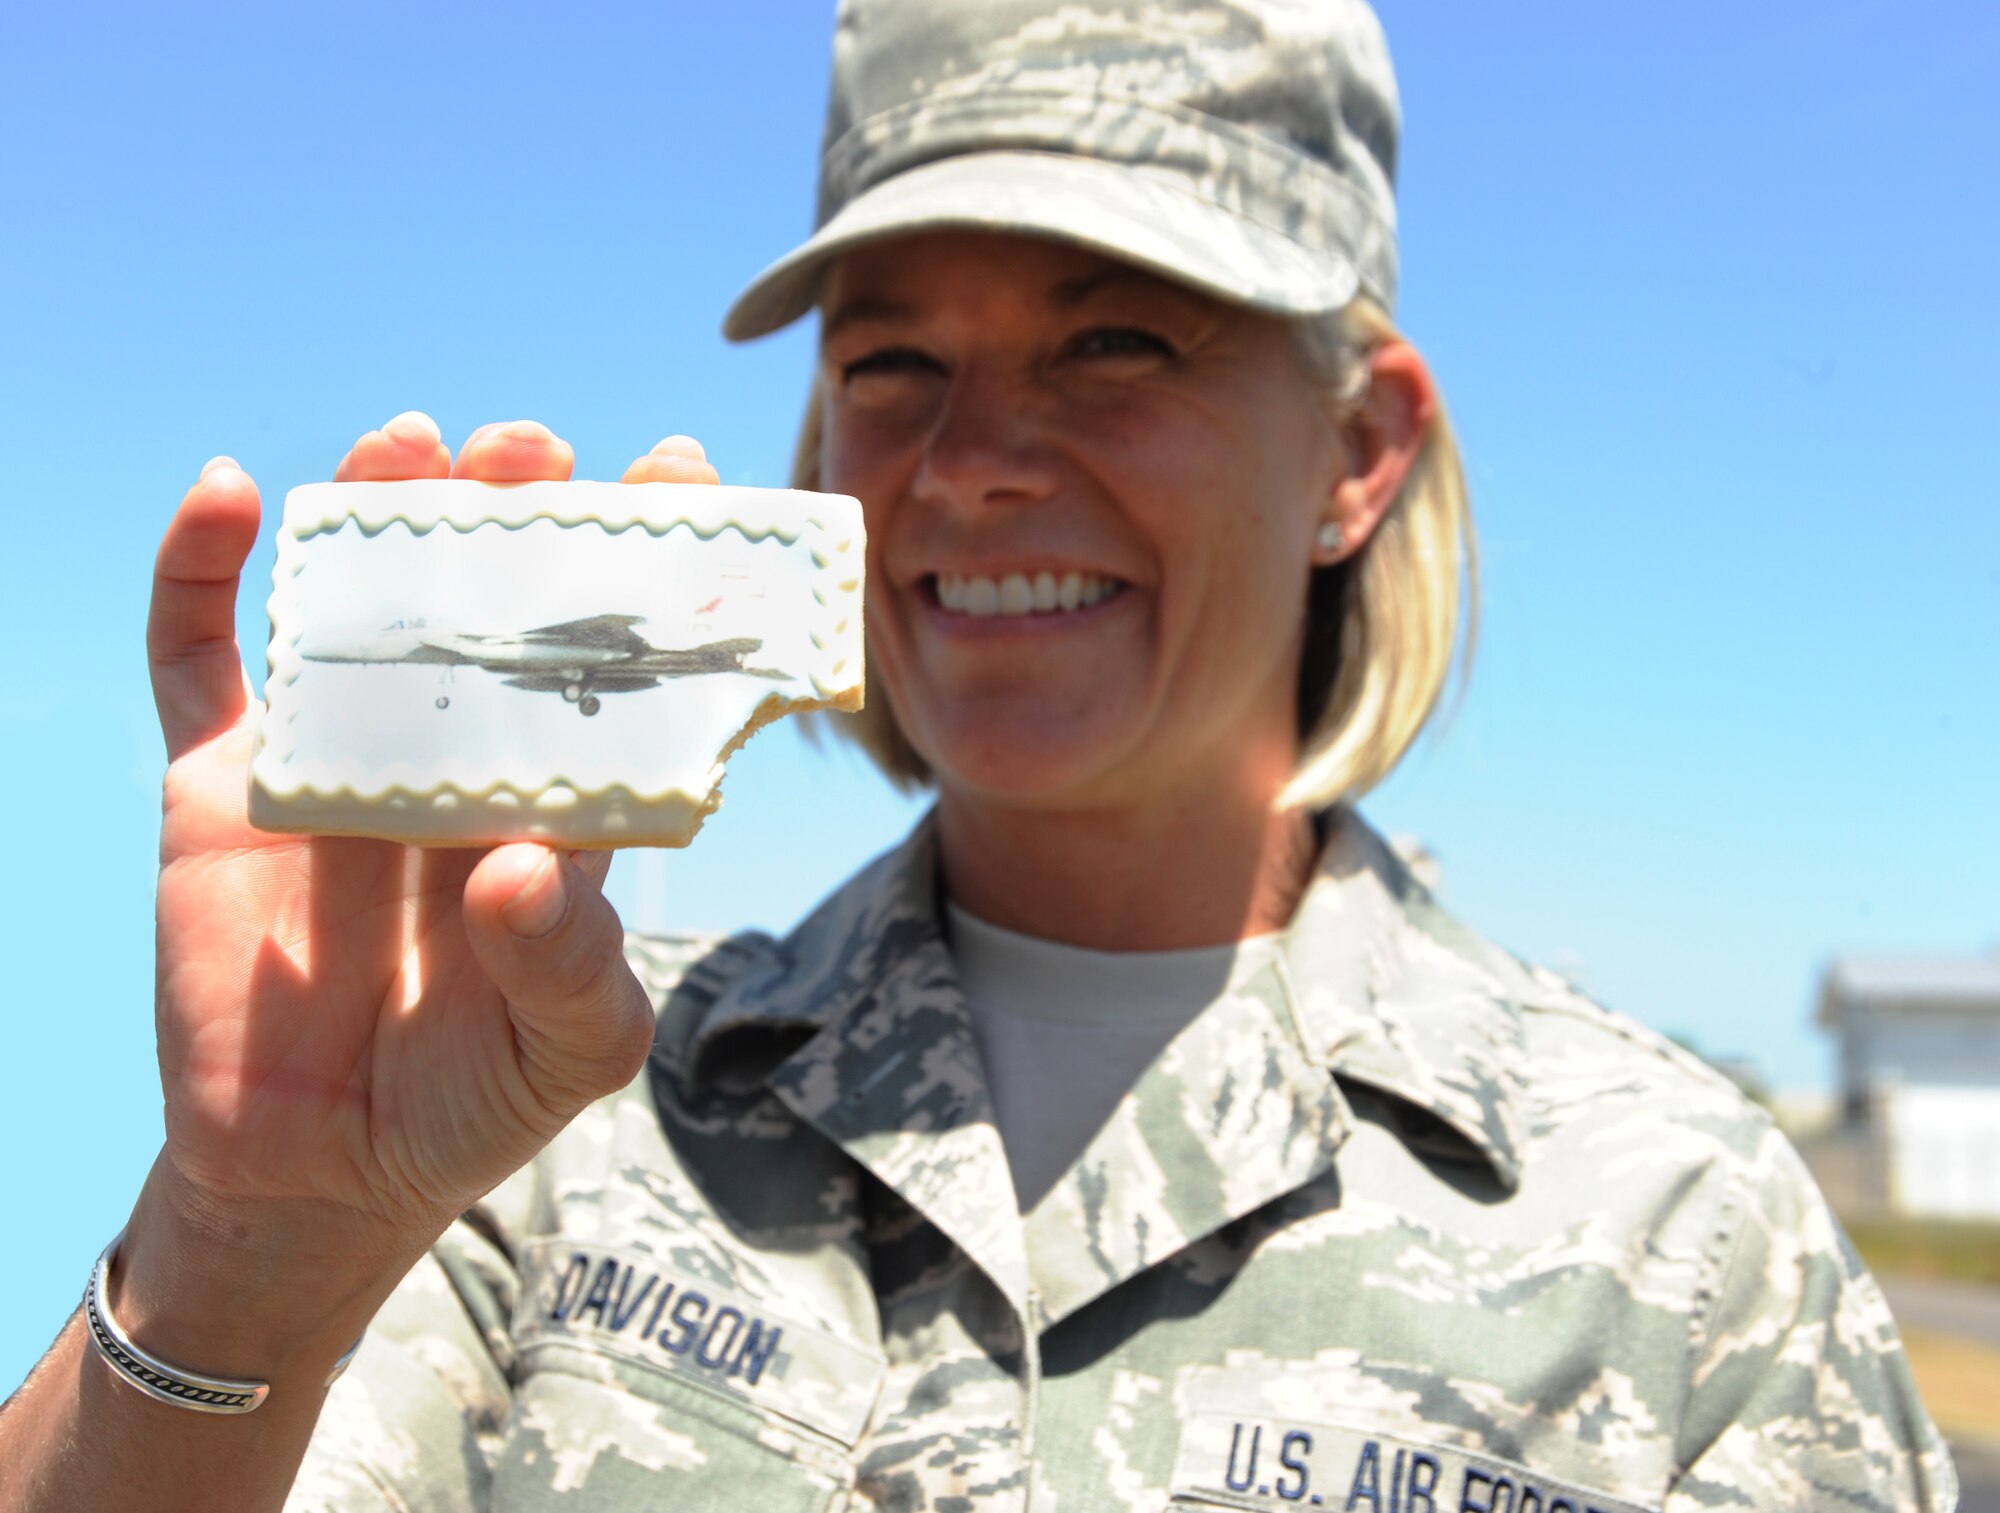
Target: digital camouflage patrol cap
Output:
[{"x": 1245, "y": 147}]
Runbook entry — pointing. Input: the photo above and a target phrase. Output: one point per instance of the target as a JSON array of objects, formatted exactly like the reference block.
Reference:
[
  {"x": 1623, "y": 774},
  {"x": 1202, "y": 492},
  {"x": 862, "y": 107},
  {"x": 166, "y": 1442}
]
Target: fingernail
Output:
[
  {"x": 219, "y": 462},
  {"x": 528, "y": 430},
  {"x": 538, "y": 906},
  {"x": 414, "y": 425},
  {"x": 680, "y": 446}
]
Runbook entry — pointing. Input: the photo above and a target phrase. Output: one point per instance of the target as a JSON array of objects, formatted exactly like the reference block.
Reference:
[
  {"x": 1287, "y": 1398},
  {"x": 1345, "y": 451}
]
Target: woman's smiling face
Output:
[{"x": 1092, "y": 497}]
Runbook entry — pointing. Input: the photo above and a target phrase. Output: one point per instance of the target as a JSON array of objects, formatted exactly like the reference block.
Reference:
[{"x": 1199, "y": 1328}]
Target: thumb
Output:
[{"x": 552, "y": 944}]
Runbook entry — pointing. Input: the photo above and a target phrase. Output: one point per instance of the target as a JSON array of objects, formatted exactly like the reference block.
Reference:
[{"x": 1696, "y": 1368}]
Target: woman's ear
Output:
[{"x": 1384, "y": 434}]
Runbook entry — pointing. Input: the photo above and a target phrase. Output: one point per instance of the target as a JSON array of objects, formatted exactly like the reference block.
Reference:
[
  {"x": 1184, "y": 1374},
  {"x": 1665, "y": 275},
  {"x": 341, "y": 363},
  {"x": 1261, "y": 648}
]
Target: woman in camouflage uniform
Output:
[{"x": 1140, "y": 1130}]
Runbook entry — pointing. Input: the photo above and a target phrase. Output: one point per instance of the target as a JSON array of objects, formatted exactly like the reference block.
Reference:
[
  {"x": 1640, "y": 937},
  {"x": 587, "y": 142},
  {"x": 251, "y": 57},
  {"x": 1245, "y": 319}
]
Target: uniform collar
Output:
[
  {"x": 1232, "y": 1115},
  {"x": 882, "y": 1060},
  {"x": 1376, "y": 986},
  {"x": 838, "y": 957},
  {"x": 1394, "y": 992}
]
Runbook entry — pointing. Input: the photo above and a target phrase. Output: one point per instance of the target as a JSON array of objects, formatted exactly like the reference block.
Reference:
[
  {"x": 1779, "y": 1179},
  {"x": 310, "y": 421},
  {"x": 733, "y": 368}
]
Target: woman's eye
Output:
[
  {"x": 1122, "y": 341},
  {"x": 889, "y": 360}
]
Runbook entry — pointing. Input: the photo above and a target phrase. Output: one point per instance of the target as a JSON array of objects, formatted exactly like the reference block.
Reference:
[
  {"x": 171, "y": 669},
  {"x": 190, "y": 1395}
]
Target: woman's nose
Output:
[{"x": 986, "y": 446}]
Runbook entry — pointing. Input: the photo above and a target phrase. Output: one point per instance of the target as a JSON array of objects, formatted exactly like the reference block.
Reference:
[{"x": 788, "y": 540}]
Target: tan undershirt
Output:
[{"x": 1065, "y": 1032}]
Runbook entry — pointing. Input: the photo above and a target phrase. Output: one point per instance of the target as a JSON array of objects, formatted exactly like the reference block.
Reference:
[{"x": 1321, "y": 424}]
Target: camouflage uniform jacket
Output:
[{"x": 1402, "y": 1226}]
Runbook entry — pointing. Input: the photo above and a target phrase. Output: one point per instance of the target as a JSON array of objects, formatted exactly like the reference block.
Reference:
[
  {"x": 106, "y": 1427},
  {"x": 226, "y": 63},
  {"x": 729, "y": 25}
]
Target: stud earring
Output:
[{"x": 1331, "y": 538}]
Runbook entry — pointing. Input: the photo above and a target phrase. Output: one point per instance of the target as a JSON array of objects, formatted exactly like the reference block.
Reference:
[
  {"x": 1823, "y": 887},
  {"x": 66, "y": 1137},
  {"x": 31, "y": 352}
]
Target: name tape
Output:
[
  {"x": 1260, "y": 1463},
  {"x": 627, "y": 1303}
]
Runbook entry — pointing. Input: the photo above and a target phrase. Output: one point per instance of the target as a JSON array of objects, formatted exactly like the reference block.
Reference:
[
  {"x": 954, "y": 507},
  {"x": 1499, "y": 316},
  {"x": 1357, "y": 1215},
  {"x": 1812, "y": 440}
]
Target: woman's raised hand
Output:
[{"x": 357, "y": 1039}]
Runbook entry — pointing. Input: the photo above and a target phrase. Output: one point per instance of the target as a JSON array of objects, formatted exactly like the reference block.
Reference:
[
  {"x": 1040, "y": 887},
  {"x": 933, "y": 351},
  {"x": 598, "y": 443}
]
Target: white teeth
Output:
[{"x": 1017, "y": 594}]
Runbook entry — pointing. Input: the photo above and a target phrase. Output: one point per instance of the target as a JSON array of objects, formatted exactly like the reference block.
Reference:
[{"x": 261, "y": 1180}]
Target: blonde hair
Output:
[{"x": 1382, "y": 626}]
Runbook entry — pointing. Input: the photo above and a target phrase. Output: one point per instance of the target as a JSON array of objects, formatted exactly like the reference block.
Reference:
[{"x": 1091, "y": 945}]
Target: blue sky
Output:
[{"x": 1710, "y": 289}]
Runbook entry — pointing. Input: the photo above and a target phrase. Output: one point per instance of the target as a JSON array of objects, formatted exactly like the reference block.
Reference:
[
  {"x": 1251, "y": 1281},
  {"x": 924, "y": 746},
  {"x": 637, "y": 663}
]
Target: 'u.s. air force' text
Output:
[
  {"x": 649, "y": 1309},
  {"x": 1325, "y": 1466}
]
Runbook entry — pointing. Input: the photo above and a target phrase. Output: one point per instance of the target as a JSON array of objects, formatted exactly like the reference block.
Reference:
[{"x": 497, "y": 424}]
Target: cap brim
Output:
[{"x": 1144, "y": 216}]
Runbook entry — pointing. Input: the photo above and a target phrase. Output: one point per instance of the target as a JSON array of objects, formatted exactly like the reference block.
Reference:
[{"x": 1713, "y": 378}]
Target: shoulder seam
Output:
[
  {"x": 1719, "y": 1260},
  {"x": 1642, "y": 1036}
]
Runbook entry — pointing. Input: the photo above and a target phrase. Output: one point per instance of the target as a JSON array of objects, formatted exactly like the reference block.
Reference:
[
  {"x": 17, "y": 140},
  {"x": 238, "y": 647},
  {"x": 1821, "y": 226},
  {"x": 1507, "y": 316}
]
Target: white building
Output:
[{"x": 1919, "y": 1127}]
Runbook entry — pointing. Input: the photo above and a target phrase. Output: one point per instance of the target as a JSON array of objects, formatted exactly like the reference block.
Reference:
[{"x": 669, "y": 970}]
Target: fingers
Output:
[
  {"x": 514, "y": 451},
  {"x": 552, "y": 943},
  {"x": 198, "y": 683},
  {"x": 678, "y": 459},
  {"x": 410, "y": 446}
]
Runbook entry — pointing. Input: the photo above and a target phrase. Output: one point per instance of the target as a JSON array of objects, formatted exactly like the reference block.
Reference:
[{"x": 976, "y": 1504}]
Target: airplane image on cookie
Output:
[{"x": 579, "y": 659}]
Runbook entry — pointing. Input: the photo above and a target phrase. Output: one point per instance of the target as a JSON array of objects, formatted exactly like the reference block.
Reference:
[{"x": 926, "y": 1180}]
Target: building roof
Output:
[{"x": 1910, "y": 984}]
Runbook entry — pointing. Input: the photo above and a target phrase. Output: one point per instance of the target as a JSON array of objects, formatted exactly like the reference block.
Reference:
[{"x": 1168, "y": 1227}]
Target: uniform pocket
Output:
[
  {"x": 641, "y": 1386},
  {"x": 584, "y": 1436}
]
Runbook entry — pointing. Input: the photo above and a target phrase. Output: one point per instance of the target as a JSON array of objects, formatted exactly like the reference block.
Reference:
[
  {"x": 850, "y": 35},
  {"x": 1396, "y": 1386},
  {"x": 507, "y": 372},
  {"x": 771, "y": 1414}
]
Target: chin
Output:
[{"x": 1023, "y": 764}]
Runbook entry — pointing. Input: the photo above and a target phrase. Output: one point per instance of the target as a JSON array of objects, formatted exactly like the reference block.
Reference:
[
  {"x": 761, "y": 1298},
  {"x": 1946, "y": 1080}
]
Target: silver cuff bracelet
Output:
[{"x": 153, "y": 1376}]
